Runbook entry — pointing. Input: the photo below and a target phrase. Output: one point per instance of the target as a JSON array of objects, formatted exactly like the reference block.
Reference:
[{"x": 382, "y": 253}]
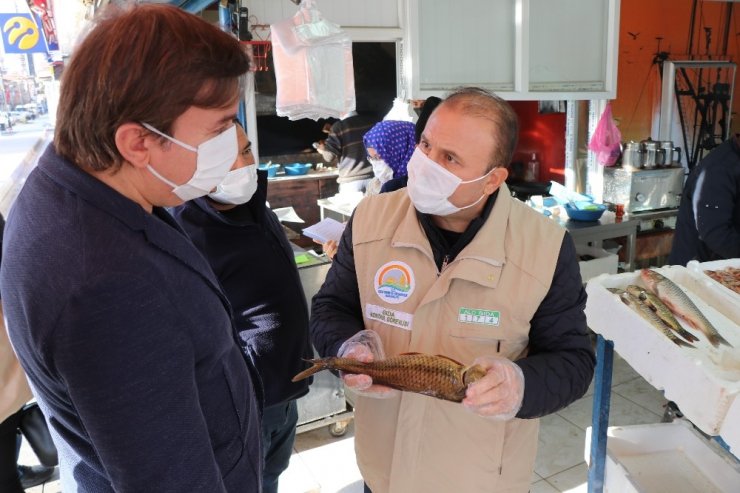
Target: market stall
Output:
[{"x": 697, "y": 366}]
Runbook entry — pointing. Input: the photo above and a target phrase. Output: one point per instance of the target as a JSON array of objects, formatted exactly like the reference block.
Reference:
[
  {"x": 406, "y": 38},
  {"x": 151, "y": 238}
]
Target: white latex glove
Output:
[
  {"x": 499, "y": 394},
  {"x": 364, "y": 346}
]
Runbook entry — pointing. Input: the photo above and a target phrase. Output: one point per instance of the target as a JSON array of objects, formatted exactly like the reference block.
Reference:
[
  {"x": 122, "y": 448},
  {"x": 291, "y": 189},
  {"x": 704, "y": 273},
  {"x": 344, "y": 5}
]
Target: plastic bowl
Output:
[
  {"x": 297, "y": 169},
  {"x": 271, "y": 169},
  {"x": 586, "y": 211}
]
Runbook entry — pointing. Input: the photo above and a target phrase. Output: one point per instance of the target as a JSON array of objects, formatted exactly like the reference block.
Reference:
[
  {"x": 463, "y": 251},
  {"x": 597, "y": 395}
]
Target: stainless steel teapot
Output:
[
  {"x": 670, "y": 153},
  {"x": 632, "y": 154},
  {"x": 654, "y": 155}
]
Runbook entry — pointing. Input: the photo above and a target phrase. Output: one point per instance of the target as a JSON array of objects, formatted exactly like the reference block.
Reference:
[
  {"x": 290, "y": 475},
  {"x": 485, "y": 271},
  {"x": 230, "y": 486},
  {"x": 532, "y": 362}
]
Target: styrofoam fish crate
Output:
[
  {"x": 665, "y": 457},
  {"x": 703, "y": 381},
  {"x": 725, "y": 300},
  {"x": 730, "y": 431}
]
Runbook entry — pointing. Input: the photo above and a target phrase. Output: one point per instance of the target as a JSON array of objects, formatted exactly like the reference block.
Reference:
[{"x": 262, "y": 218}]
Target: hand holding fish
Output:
[
  {"x": 365, "y": 346},
  {"x": 499, "y": 394}
]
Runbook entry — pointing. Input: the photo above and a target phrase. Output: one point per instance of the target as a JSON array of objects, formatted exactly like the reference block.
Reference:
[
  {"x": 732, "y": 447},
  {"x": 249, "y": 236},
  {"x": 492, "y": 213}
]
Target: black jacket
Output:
[
  {"x": 252, "y": 258},
  {"x": 708, "y": 225},
  {"x": 560, "y": 363}
]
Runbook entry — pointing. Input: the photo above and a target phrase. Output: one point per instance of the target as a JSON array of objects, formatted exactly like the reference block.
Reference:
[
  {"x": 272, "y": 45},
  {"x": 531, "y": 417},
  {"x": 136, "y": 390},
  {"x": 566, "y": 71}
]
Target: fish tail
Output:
[
  {"x": 715, "y": 340},
  {"x": 687, "y": 335},
  {"x": 681, "y": 342},
  {"x": 318, "y": 365}
]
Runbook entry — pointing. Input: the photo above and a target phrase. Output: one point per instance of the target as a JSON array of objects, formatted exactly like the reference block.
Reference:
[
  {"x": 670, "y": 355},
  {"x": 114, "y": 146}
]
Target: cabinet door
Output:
[
  {"x": 521, "y": 49},
  {"x": 466, "y": 40},
  {"x": 568, "y": 45}
]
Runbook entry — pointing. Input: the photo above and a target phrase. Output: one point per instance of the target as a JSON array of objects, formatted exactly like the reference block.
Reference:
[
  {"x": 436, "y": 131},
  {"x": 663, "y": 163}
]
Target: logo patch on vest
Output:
[
  {"x": 381, "y": 314},
  {"x": 480, "y": 317},
  {"x": 394, "y": 282}
]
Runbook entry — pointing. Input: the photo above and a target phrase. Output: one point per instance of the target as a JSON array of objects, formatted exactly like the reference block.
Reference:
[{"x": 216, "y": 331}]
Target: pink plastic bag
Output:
[{"x": 606, "y": 141}]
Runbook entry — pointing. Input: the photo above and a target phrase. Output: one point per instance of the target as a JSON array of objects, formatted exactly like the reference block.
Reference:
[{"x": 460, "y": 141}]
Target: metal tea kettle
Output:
[
  {"x": 670, "y": 152},
  {"x": 654, "y": 155},
  {"x": 632, "y": 155}
]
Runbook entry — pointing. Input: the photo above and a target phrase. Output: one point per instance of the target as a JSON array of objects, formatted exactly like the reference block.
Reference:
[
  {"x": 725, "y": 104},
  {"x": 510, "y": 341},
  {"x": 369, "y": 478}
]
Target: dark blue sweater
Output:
[
  {"x": 127, "y": 340},
  {"x": 251, "y": 256}
]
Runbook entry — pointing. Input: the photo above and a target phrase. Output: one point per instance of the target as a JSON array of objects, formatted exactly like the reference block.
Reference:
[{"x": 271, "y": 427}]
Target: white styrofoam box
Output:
[
  {"x": 603, "y": 263},
  {"x": 665, "y": 457},
  {"x": 725, "y": 300},
  {"x": 730, "y": 431},
  {"x": 703, "y": 381}
]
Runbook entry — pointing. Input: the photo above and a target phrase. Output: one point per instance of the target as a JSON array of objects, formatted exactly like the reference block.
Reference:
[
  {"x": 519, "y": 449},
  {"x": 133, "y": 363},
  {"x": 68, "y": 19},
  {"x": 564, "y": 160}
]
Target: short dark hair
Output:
[
  {"x": 478, "y": 102},
  {"x": 146, "y": 63}
]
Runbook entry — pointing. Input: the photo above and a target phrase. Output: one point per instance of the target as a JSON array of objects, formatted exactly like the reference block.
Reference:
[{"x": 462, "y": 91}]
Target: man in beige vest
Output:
[{"x": 452, "y": 265}]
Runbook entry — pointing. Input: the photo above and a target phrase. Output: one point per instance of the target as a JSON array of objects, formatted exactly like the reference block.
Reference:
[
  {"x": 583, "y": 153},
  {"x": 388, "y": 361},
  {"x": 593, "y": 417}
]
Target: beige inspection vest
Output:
[{"x": 480, "y": 304}]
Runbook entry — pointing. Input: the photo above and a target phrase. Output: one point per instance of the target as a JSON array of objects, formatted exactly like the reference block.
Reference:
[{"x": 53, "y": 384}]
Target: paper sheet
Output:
[
  {"x": 287, "y": 214},
  {"x": 328, "y": 229}
]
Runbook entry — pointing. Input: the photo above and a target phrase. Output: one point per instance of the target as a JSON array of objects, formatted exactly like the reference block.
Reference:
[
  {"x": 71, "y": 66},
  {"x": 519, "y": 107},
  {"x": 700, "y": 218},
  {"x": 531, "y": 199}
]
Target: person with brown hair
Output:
[{"x": 119, "y": 322}]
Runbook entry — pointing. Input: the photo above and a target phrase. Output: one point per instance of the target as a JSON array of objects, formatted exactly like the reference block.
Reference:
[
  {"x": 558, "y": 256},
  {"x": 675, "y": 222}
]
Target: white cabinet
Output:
[{"x": 521, "y": 49}]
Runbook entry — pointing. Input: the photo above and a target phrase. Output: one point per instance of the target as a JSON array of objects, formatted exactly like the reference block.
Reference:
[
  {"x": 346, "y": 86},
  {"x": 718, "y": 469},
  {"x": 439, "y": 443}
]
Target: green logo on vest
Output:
[{"x": 475, "y": 316}]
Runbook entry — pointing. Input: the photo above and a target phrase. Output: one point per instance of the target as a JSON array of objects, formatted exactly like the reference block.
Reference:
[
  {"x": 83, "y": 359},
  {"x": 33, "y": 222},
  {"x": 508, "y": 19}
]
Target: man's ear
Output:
[
  {"x": 496, "y": 178},
  {"x": 134, "y": 142}
]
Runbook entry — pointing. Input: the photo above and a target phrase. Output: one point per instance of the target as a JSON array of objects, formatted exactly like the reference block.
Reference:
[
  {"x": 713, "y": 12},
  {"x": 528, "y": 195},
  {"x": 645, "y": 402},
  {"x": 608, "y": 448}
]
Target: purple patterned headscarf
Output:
[{"x": 394, "y": 141}]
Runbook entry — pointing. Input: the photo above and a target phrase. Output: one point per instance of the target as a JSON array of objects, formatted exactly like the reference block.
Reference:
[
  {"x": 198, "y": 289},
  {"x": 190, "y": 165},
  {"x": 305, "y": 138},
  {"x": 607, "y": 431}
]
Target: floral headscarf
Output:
[{"x": 394, "y": 141}]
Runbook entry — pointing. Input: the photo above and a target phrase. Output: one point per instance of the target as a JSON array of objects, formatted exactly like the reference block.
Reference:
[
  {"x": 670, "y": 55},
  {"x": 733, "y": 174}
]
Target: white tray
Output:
[
  {"x": 666, "y": 457},
  {"x": 724, "y": 299},
  {"x": 702, "y": 381}
]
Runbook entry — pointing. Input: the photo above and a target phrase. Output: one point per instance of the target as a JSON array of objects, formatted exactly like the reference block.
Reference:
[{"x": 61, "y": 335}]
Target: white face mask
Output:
[
  {"x": 215, "y": 157},
  {"x": 430, "y": 185},
  {"x": 381, "y": 170},
  {"x": 238, "y": 186}
]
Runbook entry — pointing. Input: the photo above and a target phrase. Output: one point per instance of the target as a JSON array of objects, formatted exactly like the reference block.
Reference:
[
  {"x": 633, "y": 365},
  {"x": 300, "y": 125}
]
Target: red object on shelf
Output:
[{"x": 258, "y": 52}]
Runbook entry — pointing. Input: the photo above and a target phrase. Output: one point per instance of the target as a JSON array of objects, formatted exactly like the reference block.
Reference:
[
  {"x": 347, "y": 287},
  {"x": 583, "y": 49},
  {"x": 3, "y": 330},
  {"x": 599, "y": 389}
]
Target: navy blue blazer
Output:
[{"x": 127, "y": 340}]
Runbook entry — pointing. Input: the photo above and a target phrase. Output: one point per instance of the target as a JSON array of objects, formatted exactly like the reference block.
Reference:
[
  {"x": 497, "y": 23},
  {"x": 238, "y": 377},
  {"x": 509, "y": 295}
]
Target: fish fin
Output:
[
  {"x": 411, "y": 353},
  {"x": 318, "y": 365}
]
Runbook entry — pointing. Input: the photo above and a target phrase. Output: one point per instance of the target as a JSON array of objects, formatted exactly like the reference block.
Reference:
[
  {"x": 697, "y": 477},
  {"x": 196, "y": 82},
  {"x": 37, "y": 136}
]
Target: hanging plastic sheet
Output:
[{"x": 313, "y": 66}]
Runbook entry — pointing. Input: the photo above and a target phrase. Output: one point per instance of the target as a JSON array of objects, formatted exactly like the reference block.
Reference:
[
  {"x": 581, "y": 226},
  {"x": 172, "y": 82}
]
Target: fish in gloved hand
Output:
[
  {"x": 436, "y": 376},
  {"x": 680, "y": 304}
]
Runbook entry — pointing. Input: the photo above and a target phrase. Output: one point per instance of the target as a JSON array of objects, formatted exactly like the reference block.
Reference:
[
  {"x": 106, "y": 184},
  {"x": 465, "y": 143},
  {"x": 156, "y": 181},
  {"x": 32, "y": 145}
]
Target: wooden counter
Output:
[{"x": 301, "y": 192}]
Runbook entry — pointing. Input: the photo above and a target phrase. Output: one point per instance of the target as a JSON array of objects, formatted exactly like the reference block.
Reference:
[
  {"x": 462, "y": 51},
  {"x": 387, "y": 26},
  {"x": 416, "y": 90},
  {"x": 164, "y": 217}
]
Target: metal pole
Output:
[
  {"x": 600, "y": 416},
  {"x": 690, "y": 47}
]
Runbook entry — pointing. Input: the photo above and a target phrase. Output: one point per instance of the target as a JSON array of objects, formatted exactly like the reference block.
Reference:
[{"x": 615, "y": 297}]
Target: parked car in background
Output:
[
  {"x": 30, "y": 108},
  {"x": 18, "y": 117}
]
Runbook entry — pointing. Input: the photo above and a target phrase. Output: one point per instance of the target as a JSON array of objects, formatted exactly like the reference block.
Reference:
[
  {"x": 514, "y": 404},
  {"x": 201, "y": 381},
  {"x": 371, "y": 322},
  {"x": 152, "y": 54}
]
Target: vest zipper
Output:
[{"x": 445, "y": 261}]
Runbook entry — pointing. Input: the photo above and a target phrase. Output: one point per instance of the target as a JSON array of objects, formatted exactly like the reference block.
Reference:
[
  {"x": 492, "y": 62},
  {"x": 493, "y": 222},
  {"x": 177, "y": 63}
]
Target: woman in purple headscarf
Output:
[{"x": 389, "y": 147}]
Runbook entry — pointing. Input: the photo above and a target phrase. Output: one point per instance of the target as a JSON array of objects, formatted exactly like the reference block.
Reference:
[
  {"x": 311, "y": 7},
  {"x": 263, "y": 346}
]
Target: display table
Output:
[
  {"x": 340, "y": 212},
  {"x": 606, "y": 228},
  {"x": 702, "y": 381}
]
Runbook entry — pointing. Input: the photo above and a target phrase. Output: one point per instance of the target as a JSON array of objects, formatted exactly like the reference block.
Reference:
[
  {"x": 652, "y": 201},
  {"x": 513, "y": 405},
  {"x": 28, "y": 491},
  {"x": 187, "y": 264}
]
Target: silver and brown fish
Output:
[
  {"x": 649, "y": 315},
  {"x": 661, "y": 310},
  {"x": 680, "y": 304},
  {"x": 436, "y": 376}
]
